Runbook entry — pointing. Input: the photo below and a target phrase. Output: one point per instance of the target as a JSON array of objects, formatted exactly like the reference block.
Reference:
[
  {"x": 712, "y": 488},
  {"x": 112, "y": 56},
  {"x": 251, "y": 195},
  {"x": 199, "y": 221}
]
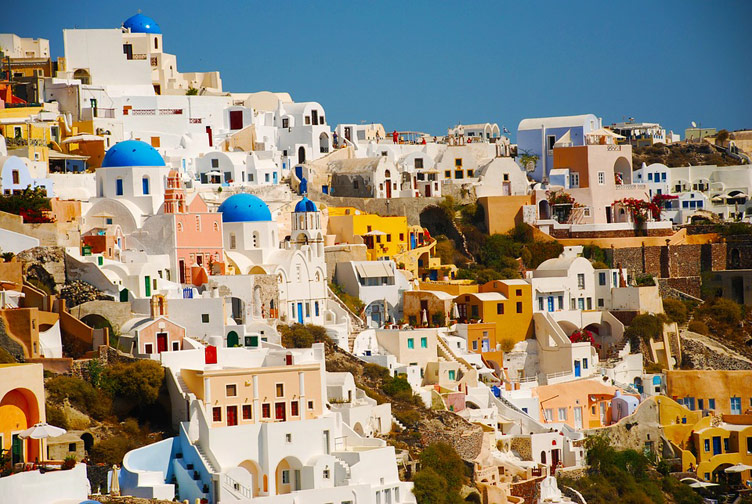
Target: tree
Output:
[
  {"x": 444, "y": 459},
  {"x": 643, "y": 328},
  {"x": 302, "y": 336},
  {"x": 722, "y": 137},
  {"x": 139, "y": 381},
  {"x": 429, "y": 487}
]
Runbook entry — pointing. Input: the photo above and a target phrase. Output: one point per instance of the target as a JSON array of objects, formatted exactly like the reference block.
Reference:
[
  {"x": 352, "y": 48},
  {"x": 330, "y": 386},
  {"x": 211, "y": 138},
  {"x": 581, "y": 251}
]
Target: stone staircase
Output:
[
  {"x": 446, "y": 352},
  {"x": 398, "y": 423},
  {"x": 205, "y": 459}
]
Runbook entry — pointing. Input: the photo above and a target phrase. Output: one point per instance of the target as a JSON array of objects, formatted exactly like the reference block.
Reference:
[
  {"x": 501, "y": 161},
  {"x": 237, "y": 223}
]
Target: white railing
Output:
[
  {"x": 630, "y": 187},
  {"x": 231, "y": 484},
  {"x": 560, "y": 374}
]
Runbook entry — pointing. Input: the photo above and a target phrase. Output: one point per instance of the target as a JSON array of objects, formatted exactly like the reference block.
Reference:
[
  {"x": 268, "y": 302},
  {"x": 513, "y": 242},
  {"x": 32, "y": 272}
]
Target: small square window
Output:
[
  {"x": 447, "y": 173},
  {"x": 458, "y": 162},
  {"x": 71, "y": 447},
  {"x": 231, "y": 390},
  {"x": 519, "y": 307},
  {"x": 518, "y": 292},
  {"x": 280, "y": 390},
  {"x": 204, "y": 318},
  {"x": 288, "y": 438},
  {"x": 310, "y": 405}
]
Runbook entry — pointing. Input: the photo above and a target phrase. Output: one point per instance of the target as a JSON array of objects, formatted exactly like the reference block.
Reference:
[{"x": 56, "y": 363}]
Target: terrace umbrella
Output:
[
  {"x": 455, "y": 311},
  {"x": 42, "y": 430},
  {"x": 115, "y": 483},
  {"x": 738, "y": 468}
]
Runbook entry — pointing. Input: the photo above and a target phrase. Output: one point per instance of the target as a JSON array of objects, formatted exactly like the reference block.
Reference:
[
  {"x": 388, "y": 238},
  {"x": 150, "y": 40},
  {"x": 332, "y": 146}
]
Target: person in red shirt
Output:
[{"x": 395, "y": 136}]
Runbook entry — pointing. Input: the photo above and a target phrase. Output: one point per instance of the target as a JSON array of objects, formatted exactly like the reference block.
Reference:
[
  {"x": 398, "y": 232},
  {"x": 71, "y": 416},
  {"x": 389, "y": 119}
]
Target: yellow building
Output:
[
  {"x": 506, "y": 303},
  {"x": 722, "y": 391},
  {"x": 21, "y": 406},
  {"x": 411, "y": 247}
]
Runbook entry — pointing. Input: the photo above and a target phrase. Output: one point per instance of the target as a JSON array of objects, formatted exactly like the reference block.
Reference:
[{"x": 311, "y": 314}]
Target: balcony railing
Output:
[{"x": 139, "y": 56}]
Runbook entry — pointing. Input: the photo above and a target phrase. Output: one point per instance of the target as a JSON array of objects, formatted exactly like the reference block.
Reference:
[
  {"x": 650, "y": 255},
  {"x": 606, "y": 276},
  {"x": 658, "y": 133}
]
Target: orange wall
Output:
[
  {"x": 574, "y": 158},
  {"x": 503, "y": 213},
  {"x": 21, "y": 403},
  {"x": 706, "y": 384}
]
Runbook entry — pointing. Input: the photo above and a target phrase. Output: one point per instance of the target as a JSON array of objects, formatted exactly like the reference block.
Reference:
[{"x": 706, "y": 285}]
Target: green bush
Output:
[
  {"x": 374, "y": 371},
  {"x": 644, "y": 280},
  {"x": 396, "y": 386},
  {"x": 409, "y": 418},
  {"x": 444, "y": 459},
  {"x": 302, "y": 336},
  {"x": 722, "y": 311},
  {"x": 507, "y": 344},
  {"x": 698, "y": 327},
  {"x": 81, "y": 395},
  {"x": 139, "y": 381},
  {"x": 675, "y": 310}
]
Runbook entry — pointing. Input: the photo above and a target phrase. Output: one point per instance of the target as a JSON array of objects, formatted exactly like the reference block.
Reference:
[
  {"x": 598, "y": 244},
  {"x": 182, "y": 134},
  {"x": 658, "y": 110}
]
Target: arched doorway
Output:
[
  {"x": 301, "y": 154},
  {"x": 358, "y": 428},
  {"x": 88, "y": 440},
  {"x": 324, "y": 143},
  {"x": 254, "y": 471},
  {"x": 19, "y": 409},
  {"x": 232, "y": 339},
  {"x": 623, "y": 171},
  {"x": 544, "y": 210},
  {"x": 82, "y": 75},
  {"x": 287, "y": 475}
]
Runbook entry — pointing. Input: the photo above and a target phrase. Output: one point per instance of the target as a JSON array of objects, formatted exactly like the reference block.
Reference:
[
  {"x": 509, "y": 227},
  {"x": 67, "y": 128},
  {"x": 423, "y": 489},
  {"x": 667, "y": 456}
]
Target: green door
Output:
[
  {"x": 17, "y": 449},
  {"x": 254, "y": 341},
  {"x": 232, "y": 339},
  {"x": 124, "y": 296},
  {"x": 147, "y": 284}
]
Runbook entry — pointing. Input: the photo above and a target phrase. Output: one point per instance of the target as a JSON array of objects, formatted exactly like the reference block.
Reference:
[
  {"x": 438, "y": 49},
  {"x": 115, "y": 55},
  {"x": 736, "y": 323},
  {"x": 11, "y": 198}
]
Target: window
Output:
[
  {"x": 286, "y": 472},
  {"x": 562, "y": 414},
  {"x": 475, "y": 345},
  {"x": 388, "y": 238},
  {"x": 548, "y": 415},
  {"x": 518, "y": 292},
  {"x": 423, "y": 342},
  {"x": 217, "y": 414},
  {"x": 326, "y": 473},
  {"x": 247, "y": 412},
  {"x": 294, "y": 408},
  {"x": 16, "y": 177},
  {"x": 469, "y": 173},
  {"x": 589, "y": 303},
  {"x": 561, "y": 302},
  {"x": 580, "y": 280},
  {"x": 266, "y": 410},
  {"x": 550, "y": 142},
  {"x": 204, "y": 318},
  {"x": 601, "y": 303},
  {"x": 447, "y": 173},
  {"x": 601, "y": 177},
  {"x": 308, "y": 120},
  {"x": 458, "y": 174},
  {"x": 711, "y": 403},
  {"x": 410, "y": 343},
  {"x": 285, "y": 122},
  {"x": 419, "y": 162},
  {"x": 581, "y": 304},
  {"x": 231, "y": 390},
  {"x": 310, "y": 405},
  {"x": 148, "y": 348},
  {"x": 540, "y": 303},
  {"x": 700, "y": 404},
  {"x": 519, "y": 306},
  {"x": 280, "y": 389},
  {"x": 650, "y": 176},
  {"x": 707, "y": 445},
  {"x": 749, "y": 444},
  {"x": 402, "y": 237},
  {"x": 574, "y": 180},
  {"x": 500, "y": 307},
  {"x": 119, "y": 187},
  {"x": 601, "y": 278},
  {"x": 458, "y": 162},
  {"x": 452, "y": 374},
  {"x": 584, "y": 364},
  {"x": 288, "y": 438},
  {"x": 736, "y": 405}
]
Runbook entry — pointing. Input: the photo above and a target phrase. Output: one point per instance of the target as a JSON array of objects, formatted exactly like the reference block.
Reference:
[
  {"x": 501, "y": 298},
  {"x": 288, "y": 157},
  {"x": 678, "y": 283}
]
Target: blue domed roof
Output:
[
  {"x": 138, "y": 23},
  {"x": 132, "y": 153},
  {"x": 244, "y": 207},
  {"x": 306, "y": 205}
]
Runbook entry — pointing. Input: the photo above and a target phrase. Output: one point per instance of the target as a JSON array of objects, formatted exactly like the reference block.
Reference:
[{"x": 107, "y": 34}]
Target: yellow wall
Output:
[
  {"x": 346, "y": 227},
  {"x": 509, "y": 324},
  {"x": 502, "y": 213},
  {"x": 21, "y": 404},
  {"x": 720, "y": 385}
]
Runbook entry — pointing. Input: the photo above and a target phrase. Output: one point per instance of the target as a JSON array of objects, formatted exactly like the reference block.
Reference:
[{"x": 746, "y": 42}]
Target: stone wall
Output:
[
  {"x": 688, "y": 285},
  {"x": 115, "y": 312},
  {"x": 12, "y": 346},
  {"x": 616, "y": 233},
  {"x": 409, "y": 207},
  {"x": 523, "y": 447},
  {"x": 342, "y": 253},
  {"x": 528, "y": 490}
]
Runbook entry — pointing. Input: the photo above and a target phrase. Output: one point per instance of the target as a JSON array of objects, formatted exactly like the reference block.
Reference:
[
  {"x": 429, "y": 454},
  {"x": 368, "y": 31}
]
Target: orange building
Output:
[
  {"x": 723, "y": 391},
  {"x": 582, "y": 404},
  {"x": 21, "y": 406}
]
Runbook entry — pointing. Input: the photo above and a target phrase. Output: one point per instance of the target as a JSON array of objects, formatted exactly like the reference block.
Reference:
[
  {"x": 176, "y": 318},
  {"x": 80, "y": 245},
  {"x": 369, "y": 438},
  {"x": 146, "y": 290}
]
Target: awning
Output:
[
  {"x": 61, "y": 155},
  {"x": 373, "y": 269},
  {"x": 738, "y": 468},
  {"x": 375, "y": 232},
  {"x": 604, "y": 132},
  {"x": 83, "y": 138}
]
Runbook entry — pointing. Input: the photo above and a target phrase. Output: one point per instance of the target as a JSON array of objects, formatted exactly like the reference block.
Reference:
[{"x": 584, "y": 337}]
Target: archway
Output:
[
  {"x": 301, "y": 154},
  {"x": 324, "y": 143},
  {"x": 623, "y": 170},
  {"x": 238, "y": 308},
  {"x": 83, "y": 75},
  {"x": 19, "y": 408},
  {"x": 254, "y": 471},
  {"x": 96, "y": 321},
  {"x": 567, "y": 327},
  {"x": 232, "y": 339},
  {"x": 287, "y": 475},
  {"x": 544, "y": 210},
  {"x": 88, "y": 440},
  {"x": 358, "y": 428}
]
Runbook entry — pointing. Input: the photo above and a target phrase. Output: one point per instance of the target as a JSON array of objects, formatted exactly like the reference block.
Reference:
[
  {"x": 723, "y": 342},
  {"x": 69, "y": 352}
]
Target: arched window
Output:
[
  {"x": 156, "y": 43},
  {"x": 145, "y": 184},
  {"x": 180, "y": 227},
  {"x": 232, "y": 241},
  {"x": 216, "y": 227}
]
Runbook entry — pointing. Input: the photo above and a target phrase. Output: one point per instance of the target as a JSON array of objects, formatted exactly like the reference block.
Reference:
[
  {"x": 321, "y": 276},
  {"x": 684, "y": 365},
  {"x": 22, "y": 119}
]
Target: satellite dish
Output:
[{"x": 694, "y": 124}]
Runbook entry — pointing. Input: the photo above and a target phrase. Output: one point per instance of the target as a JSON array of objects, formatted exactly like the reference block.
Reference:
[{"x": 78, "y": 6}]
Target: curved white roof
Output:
[{"x": 556, "y": 122}]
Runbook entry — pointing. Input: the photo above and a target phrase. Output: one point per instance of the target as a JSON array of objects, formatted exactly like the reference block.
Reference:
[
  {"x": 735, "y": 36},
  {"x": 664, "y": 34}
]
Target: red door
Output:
[
  {"x": 161, "y": 342},
  {"x": 232, "y": 415},
  {"x": 279, "y": 411},
  {"x": 236, "y": 119},
  {"x": 388, "y": 188}
]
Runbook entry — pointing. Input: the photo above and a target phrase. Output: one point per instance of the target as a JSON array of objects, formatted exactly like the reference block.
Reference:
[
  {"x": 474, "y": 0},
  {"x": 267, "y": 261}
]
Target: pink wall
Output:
[{"x": 148, "y": 335}]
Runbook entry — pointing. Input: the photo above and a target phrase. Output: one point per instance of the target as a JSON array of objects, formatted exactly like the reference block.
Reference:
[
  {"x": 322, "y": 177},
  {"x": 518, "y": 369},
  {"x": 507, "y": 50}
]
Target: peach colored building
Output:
[
  {"x": 723, "y": 391},
  {"x": 582, "y": 404},
  {"x": 237, "y": 396},
  {"x": 21, "y": 406}
]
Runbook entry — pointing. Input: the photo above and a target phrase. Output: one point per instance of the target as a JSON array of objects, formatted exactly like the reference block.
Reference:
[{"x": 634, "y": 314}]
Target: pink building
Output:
[
  {"x": 198, "y": 232},
  {"x": 158, "y": 334}
]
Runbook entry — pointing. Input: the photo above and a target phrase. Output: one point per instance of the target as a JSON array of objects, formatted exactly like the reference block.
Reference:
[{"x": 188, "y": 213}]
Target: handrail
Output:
[{"x": 231, "y": 484}]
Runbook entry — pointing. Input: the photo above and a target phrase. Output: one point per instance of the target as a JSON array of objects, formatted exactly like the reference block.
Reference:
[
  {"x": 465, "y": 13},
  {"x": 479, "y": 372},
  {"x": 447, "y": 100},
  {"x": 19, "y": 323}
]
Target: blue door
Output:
[
  {"x": 716, "y": 445},
  {"x": 274, "y": 177},
  {"x": 577, "y": 372},
  {"x": 550, "y": 303},
  {"x": 412, "y": 241},
  {"x": 325, "y": 189},
  {"x": 299, "y": 172},
  {"x": 300, "y": 313}
]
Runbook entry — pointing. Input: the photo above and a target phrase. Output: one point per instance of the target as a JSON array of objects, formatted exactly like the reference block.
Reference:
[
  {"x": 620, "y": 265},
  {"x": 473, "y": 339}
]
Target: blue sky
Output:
[{"x": 421, "y": 65}]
